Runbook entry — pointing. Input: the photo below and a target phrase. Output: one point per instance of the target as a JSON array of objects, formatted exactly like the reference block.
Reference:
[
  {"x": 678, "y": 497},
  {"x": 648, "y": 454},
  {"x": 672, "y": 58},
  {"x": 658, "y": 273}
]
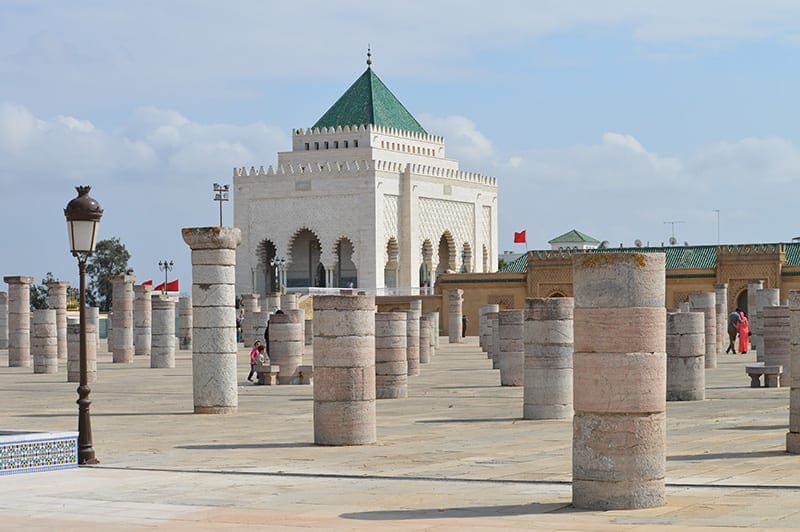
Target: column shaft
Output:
[
  {"x": 214, "y": 346},
  {"x": 686, "y": 347},
  {"x": 19, "y": 321},
  {"x": 549, "y": 346},
  {"x": 391, "y": 364},
  {"x": 344, "y": 370},
  {"x": 511, "y": 357},
  {"x": 163, "y": 332},
  {"x": 619, "y": 428}
]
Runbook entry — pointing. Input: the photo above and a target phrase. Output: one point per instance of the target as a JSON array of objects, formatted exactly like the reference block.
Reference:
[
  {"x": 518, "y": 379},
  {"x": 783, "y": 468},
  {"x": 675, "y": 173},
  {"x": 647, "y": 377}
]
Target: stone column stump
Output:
[
  {"x": 44, "y": 341},
  {"x": 214, "y": 346},
  {"x": 454, "y": 310},
  {"x": 286, "y": 341},
  {"x": 706, "y": 302},
  {"x": 92, "y": 316},
  {"x": 272, "y": 302},
  {"x": 549, "y": 346},
  {"x": 721, "y": 294},
  {"x": 3, "y": 320},
  {"x": 74, "y": 353},
  {"x": 485, "y": 326},
  {"x": 412, "y": 336},
  {"x": 686, "y": 347},
  {"x": 185, "y": 323},
  {"x": 793, "y": 436},
  {"x": 250, "y": 321},
  {"x": 511, "y": 358},
  {"x": 142, "y": 319},
  {"x": 776, "y": 339},
  {"x": 344, "y": 370},
  {"x": 753, "y": 286},
  {"x": 765, "y": 297},
  {"x": 19, "y": 321},
  {"x": 619, "y": 428},
  {"x": 391, "y": 363},
  {"x": 494, "y": 354},
  {"x": 122, "y": 307},
  {"x": 163, "y": 336},
  {"x": 433, "y": 331},
  {"x": 424, "y": 340},
  {"x": 436, "y": 329},
  {"x": 289, "y": 301},
  {"x": 57, "y": 300}
]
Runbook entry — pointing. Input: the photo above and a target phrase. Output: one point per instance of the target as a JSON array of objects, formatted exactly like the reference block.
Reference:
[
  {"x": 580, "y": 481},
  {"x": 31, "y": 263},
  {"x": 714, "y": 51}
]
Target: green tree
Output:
[
  {"x": 501, "y": 264},
  {"x": 39, "y": 293},
  {"x": 110, "y": 258}
]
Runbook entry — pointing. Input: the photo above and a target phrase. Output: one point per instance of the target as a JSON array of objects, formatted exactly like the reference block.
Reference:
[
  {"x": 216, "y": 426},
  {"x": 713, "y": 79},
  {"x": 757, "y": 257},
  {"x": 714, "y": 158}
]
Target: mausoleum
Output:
[{"x": 366, "y": 198}]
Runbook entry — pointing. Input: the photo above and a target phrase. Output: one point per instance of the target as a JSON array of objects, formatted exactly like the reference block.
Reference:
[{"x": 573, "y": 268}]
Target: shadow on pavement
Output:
[
  {"x": 725, "y": 456},
  {"x": 454, "y": 513},
  {"x": 218, "y": 446}
]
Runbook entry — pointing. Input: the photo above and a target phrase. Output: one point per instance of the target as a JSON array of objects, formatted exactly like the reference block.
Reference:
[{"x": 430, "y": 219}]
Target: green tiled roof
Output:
[
  {"x": 574, "y": 236},
  {"x": 676, "y": 257},
  {"x": 518, "y": 265},
  {"x": 793, "y": 254},
  {"x": 369, "y": 101}
]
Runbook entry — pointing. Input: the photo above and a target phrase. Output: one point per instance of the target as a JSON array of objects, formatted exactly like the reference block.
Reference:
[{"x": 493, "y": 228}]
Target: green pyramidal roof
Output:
[
  {"x": 574, "y": 236},
  {"x": 369, "y": 101}
]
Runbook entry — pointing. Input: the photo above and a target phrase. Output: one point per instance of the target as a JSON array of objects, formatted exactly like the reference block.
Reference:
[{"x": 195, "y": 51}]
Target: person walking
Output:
[
  {"x": 733, "y": 328},
  {"x": 253, "y": 359},
  {"x": 744, "y": 333},
  {"x": 463, "y": 326}
]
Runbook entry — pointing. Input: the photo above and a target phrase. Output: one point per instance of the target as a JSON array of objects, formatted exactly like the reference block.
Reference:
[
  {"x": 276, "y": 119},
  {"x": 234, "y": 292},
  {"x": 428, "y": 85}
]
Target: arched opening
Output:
[
  {"x": 485, "y": 260},
  {"x": 466, "y": 258},
  {"x": 741, "y": 301},
  {"x": 391, "y": 269},
  {"x": 556, "y": 294},
  {"x": 446, "y": 255},
  {"x": 346, "y": 274},
  {"x": 266, "y": 278},
  {"x": 426, "y": 267},
  {"x": 305, "y": 252}
]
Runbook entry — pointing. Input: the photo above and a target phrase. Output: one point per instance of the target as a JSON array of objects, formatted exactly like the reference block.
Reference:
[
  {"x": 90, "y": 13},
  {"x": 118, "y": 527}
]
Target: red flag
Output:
[
  {"x": 519, "y": 237},
  {"x": 148, "y": 283},
  {"x": 172, "y": 286}
]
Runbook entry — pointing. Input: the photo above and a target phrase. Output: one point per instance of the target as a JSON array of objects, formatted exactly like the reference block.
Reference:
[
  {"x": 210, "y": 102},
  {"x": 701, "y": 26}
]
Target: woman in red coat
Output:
[{"x": 744, "y": 333}]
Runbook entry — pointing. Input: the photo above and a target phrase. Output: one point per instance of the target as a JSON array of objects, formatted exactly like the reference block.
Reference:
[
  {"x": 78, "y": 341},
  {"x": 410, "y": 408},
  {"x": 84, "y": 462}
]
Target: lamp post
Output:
[
  {"x": 166, "y": 267},
  {"x": 83, "y": 217},
  {"x": 220, "y": 195},
  {"x": 279, "y": 263}
]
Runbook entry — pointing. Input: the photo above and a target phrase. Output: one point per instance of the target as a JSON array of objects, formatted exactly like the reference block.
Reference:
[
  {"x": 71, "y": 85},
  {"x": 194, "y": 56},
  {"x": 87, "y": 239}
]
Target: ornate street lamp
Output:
[
  {"x": 83, "y": 217},
  {"x": 279, "y": 263},
  {"x": 166, "y": 267},
  {"x": 220, "y": 195}
]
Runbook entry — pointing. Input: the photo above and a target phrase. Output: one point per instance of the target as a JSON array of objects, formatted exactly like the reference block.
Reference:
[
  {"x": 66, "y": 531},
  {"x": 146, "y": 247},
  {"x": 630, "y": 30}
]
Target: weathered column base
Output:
[{"x": 215, "y": 409}]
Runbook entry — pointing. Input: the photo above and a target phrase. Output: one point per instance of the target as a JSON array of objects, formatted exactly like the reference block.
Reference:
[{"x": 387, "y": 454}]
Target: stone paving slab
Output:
[{"x": 455, "y": 455}]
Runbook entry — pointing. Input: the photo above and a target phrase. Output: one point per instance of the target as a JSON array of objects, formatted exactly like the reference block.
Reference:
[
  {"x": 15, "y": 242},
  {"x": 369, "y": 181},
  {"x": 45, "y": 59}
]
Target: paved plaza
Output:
[{"x": 453, "y": 455}]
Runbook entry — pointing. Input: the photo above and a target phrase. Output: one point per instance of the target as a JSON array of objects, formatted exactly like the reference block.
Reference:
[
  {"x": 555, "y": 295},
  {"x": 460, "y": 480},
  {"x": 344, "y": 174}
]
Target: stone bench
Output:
[
  {"x": 267, "y": 374},
  {"x": 772, "y": 376},
  {"x": 305, "y": 374}
]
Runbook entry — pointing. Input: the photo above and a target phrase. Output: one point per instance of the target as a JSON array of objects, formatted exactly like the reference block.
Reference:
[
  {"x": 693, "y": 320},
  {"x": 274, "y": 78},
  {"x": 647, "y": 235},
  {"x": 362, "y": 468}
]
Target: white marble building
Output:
[{"x": 366, "y": 198}]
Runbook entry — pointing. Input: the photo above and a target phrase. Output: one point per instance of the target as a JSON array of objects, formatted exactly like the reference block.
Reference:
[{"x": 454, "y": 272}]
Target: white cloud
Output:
[
  {"x": 152, "y": 176},
  {"x": 463, "y": 140}
]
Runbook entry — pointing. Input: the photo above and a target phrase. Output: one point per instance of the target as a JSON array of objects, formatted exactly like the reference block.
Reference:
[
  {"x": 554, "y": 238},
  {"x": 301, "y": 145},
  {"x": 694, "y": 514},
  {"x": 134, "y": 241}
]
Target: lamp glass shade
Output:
[{"x": 82, "y": 235}]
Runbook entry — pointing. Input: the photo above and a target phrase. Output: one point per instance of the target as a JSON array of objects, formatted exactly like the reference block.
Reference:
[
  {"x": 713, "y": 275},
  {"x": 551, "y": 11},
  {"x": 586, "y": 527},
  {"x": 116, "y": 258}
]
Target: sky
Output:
[{"x": 613, "y": 117}]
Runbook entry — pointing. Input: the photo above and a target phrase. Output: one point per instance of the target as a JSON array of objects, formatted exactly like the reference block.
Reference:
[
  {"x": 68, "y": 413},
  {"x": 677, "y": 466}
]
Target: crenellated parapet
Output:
[
  {"x": 369, "y": 128},
  {"x": 435, "y": 171},
  {"x": 353, "y": 167},
  {"x": 751, "y": 249},
  {"x": 329, "y": 167}
]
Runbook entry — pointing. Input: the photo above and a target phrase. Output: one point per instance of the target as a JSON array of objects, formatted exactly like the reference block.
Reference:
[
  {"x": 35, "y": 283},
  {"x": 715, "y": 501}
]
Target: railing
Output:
[{"x": 313, "y": 290}]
